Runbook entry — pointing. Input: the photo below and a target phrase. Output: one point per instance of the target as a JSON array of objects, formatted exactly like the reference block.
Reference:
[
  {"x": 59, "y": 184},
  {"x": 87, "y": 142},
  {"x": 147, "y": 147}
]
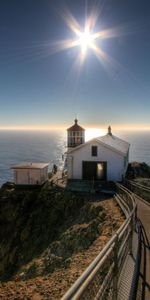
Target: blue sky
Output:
[{"x": 41, "y": 87}]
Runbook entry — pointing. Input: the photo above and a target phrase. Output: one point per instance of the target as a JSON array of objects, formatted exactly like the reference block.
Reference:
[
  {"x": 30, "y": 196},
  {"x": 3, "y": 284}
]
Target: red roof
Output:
[{"x": 76, "y": 127}]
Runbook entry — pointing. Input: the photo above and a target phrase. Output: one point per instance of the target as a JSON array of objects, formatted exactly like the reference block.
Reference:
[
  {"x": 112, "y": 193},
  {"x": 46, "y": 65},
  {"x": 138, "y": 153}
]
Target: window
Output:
[{"x": 94, "y": 150}]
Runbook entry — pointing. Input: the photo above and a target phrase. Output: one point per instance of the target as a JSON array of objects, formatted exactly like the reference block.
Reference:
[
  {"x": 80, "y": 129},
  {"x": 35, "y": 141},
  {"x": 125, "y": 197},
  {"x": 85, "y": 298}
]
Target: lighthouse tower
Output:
[{"x": 76, "y": 135}]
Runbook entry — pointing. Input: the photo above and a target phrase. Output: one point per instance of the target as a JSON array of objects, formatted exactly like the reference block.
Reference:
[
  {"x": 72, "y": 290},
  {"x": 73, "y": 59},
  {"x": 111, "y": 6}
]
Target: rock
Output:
[
  {"x": 137, "y": 169},
  {"x": 43, "y": 233}
]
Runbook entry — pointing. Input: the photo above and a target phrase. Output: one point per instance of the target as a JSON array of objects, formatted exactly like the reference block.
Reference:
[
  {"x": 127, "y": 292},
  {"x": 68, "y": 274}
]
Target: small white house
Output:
[
  {"x": 30, "y": 173},
  {"x": 102, "y": 158}
]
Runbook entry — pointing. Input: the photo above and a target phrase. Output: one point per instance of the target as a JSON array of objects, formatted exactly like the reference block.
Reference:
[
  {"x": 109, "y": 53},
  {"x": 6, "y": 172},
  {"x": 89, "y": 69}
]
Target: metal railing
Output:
[
  {"x": 138, "y": 286},
  {"x": 100, "y": 279},
  {"x": 134, "y": 286},
  {"x": 139, "y": 189}
]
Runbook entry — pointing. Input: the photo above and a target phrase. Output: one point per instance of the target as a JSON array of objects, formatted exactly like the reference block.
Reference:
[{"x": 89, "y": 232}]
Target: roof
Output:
[
  {"x": 76, "y": 127},
  {"x": 114, "y": 142},
  {"x": 31, "y": 166},
  {"x": 109, "y": 141}
]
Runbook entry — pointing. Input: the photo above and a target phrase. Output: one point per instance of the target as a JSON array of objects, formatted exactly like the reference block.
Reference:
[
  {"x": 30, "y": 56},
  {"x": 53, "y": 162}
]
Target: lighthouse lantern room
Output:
[{"x": 76, "y": 135}]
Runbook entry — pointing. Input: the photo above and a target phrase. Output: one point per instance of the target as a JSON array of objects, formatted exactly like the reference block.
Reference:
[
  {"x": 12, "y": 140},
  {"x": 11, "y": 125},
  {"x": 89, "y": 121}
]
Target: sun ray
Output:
[
  {"x": 96, "y": 11},
  {"x": 111, "y": 66},
  {"x": 84, "y": 38},
  {"x": 87, "y": 38},
  {"x": 70, "y": 20},
  {"x": 75, "y": 73}
]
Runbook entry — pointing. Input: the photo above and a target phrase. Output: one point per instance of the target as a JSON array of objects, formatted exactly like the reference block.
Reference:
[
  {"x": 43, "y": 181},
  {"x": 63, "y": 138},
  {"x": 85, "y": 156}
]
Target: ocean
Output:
[{"x": 49, "y": 146}]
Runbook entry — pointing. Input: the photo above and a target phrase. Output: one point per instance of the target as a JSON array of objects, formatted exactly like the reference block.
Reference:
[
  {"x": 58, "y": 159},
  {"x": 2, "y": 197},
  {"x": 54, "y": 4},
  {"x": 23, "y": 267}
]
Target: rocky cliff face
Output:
[
  {"x": 45, "y": 235},
  {"x": 138, "y": 170},
  {"x": 30, "y": 220}
]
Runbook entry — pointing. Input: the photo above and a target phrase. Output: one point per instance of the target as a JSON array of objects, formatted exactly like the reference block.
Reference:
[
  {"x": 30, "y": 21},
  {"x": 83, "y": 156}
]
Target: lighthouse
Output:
[{"x": 75, "y": 135}]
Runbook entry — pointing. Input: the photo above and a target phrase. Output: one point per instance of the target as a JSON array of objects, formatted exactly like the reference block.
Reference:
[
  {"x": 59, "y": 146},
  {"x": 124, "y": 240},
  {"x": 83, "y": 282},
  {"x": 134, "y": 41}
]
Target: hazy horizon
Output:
[{"x": 133, "y": 127}]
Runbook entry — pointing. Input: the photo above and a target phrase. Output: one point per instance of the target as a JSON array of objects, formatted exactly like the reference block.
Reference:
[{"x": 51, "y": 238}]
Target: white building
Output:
[
  {"x": 30, "y": 173},
  {"x": 102, "y": 158}
]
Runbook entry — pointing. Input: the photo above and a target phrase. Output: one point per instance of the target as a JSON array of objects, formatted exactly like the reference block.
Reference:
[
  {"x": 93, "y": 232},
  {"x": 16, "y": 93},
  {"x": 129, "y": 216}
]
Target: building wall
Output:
[
  {"x": 30, "y": 176},
  {"x": 115, "y": 161},
  {"x": 44, "y": 174}
]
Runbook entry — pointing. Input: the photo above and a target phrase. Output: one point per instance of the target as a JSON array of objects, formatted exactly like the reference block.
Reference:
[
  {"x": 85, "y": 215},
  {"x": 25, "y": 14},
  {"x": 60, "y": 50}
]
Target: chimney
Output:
[{"x": 109, "y": 130}]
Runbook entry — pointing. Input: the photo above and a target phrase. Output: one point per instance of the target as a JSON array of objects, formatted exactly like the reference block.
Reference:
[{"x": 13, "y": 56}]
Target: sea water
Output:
[
  {"x": 49, "y": 146},
  {"x": 30, "y": 146}
]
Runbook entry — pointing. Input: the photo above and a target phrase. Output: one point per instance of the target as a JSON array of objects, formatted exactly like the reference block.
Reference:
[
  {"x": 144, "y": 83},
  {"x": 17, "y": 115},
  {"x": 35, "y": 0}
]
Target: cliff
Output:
[
  {"x": 138, "y": 170},
  {"x": 48, "y": 237}
]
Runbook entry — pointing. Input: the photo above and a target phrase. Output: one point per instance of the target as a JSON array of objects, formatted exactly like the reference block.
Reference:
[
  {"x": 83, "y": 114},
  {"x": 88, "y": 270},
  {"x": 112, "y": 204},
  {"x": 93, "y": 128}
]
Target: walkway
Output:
[{"x": 143, "y": 213}]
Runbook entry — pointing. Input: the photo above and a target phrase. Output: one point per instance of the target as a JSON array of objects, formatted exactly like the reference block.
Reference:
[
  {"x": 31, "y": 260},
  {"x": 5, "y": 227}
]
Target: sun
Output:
[{"x": 86, "y": 40}]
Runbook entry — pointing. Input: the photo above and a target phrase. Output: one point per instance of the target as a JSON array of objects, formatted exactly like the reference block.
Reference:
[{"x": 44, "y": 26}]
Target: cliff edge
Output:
[{"x": 48, "y": 237}]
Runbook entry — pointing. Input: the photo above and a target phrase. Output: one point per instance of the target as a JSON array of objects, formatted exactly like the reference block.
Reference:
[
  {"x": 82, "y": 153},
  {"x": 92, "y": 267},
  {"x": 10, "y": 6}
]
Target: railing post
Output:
[
  {"x": 131, "y": 236},
  {"x": 115, "y": 272}
]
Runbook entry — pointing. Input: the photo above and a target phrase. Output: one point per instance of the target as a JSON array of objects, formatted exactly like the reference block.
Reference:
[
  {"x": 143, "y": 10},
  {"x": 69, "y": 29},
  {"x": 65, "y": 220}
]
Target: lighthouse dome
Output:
[{"x": 76, "y": 135}]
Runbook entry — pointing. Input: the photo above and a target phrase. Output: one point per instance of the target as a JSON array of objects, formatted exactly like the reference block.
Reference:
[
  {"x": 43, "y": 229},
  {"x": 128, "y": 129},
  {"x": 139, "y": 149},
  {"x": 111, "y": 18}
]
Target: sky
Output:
[{"x": 45, "y": 84}]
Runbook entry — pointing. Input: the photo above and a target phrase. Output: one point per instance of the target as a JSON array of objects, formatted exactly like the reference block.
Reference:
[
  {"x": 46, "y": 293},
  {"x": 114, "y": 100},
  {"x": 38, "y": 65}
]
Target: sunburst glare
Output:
[
  {"x": 86, "y": 38},
  {"x": 92, "y": 133}
]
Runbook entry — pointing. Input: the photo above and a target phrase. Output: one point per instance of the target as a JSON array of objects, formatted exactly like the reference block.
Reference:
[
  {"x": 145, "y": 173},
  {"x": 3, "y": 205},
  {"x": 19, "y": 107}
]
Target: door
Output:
[
  {"x": 101, "y": 170},
  {"x": 88, "y": 170},
  {"x": 94, "y": 170}
]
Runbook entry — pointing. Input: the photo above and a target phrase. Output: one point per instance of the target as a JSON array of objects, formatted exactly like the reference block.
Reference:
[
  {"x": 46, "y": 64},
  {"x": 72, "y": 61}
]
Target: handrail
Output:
[
  {"x": 143, "y": 243},
  {"x": 146, "y": 188},
  {"x": 134, "y": 286},
  {"x": 121, "y": 204},
  {"x": 88, "y": 271},
  {"x": 109, "y": 252},
  {"x": 139, "y": 190}
]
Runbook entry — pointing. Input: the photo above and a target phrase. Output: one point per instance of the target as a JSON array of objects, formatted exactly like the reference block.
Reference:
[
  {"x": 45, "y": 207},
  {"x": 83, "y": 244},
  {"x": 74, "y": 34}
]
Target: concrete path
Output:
[{"x": 143, "y": 213}]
